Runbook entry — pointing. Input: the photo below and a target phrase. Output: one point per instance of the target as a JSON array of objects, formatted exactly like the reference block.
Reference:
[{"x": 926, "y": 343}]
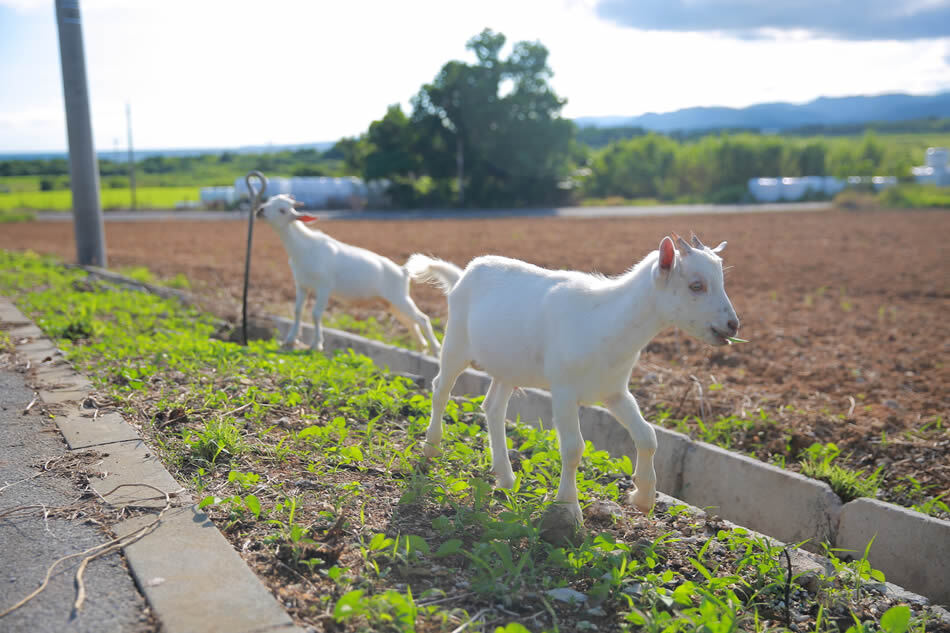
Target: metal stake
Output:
[{"x": 255, "y": 202}]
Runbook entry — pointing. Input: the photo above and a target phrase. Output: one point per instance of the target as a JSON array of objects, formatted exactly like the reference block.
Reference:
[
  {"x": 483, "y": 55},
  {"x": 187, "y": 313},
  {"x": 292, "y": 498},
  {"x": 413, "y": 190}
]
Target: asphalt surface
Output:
[
  {"x": 30, "y": 543},
  {"x": 443, "y": 214}
]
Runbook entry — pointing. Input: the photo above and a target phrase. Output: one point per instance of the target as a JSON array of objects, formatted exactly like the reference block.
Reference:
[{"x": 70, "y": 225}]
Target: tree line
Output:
[{"x": 491, "y": 134}]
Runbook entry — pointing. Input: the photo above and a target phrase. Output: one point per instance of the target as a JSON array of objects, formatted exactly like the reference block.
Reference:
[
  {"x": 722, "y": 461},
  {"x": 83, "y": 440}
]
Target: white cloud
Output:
[{"x": 216, "y": 73}]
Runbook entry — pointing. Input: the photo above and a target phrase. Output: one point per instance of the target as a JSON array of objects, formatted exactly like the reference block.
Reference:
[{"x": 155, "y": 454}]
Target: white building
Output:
[
  {"x": 218, "y": 196},
  {"x": 789, "y": 189},
  {"x": 322, "y": 192},
  {"x": 937, "y": 169}
]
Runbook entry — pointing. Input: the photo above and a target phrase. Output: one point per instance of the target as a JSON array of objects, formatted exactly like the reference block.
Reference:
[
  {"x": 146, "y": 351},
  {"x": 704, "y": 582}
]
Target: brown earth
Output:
[{"x": 846, "y": 313}]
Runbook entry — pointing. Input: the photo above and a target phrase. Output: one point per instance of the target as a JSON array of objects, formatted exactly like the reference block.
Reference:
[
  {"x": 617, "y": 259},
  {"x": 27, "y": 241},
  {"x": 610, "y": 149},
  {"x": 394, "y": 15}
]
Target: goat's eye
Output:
[{"x": 697, "y": 286}]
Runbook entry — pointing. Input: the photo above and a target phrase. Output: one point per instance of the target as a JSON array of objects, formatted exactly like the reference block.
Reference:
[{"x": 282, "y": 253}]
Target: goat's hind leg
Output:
[
  {"x": 496, "y": 405},
  {"x": 416, "y": 321},
  {"x": 624, "y": 407},
  {"x": 452, "y": 362}
]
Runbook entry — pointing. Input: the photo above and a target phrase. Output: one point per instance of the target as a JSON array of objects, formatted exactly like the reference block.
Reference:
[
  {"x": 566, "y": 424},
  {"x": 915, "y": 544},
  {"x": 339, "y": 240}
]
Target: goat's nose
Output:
[{"x": 733, "y": 325}]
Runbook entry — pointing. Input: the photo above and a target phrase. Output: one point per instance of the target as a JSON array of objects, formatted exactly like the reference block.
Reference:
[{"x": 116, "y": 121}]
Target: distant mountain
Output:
[
  {"x": 122, "y": 155},
  {"x": 782, "y": 116}
]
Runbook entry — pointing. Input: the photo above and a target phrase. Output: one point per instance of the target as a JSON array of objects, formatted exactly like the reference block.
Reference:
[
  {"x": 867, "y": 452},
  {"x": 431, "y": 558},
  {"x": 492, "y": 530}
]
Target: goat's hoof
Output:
[
  {"x": 562, "y": 524},
  {"x": 505, "y": 481},
  {"x": 287, "y": 345},
  {"x": 317, "y": 348},
  {"x": 642, "y": 500},
  {"x": 431, "y": 450}
]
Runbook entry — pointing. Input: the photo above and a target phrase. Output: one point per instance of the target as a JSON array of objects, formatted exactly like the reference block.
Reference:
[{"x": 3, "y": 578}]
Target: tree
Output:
[{"x": 506, "y": 149}]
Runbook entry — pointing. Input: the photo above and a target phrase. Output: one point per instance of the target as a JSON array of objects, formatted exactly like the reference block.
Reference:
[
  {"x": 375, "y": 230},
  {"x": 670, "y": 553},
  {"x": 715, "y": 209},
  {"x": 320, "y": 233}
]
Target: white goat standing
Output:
[
  {"x": 330, "y": 267},
  {"x": 577, "y": 334}
]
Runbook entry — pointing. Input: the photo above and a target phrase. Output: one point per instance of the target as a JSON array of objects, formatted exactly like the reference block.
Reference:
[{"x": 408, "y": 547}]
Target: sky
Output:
[{"x": 227, "y": 73}]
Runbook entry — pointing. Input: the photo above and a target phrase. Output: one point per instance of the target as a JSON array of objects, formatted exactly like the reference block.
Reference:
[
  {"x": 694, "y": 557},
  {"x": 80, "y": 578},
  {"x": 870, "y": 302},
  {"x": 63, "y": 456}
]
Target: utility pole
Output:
[
  {"x": 83, "y": 164},
  {"x": 128, "y": 119}
]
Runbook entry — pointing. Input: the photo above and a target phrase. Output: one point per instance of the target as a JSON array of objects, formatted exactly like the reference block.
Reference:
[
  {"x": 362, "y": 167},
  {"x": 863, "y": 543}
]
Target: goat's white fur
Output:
[
  {"x": 577, "y": 334},
  {"x": 332, "y": 268}
]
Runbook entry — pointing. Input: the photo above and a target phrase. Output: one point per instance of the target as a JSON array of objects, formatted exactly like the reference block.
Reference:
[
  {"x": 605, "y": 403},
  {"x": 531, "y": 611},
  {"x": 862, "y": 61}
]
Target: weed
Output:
[
  {"x": 849, "y": 484},
  {"x": 310, "y": 465}
]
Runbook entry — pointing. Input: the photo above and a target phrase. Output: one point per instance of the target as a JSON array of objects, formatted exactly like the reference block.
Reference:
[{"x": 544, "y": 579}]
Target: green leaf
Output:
[
  {"x": 451, "y": 546},
  {"x": 626, "y": 466},
  {"x": 512, "y": 627},
  {"x": 348, "y": 605},
  {"x": 307, "y": 432},
  {"x": 683, "y": 594},
  {"x": 379, "y": 541},
  {"x": 896, "y": 619},
  {"x": 207, "y": 501},
  {"x": 416, "y": 543},
  {"x": 253, "y": 504}
]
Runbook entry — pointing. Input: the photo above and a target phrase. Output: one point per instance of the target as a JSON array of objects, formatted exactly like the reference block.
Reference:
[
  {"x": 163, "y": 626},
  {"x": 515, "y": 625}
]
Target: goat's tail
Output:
[{"x": 435, "y": 271}]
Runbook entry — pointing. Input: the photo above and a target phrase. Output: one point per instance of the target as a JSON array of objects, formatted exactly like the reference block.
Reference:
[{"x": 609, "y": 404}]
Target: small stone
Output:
[
  {"x": 597, "y": 612},
  {"x": 558, "y": 526},
  {"x": 604, "y": 510},
  {"x": 568, "y": 595},
  {"x": 893, "y": 404},
  {"x": 634, "y": 589}
]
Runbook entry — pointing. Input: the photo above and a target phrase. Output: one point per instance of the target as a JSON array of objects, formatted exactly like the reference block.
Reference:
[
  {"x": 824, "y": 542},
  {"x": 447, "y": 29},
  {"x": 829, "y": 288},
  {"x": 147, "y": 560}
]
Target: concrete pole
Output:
[{"x": 83, "y": 164}]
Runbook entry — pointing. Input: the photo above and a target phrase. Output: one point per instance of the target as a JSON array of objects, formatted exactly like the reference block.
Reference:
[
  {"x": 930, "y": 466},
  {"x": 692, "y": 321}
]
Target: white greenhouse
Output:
[{"x": 937, "y": 169}]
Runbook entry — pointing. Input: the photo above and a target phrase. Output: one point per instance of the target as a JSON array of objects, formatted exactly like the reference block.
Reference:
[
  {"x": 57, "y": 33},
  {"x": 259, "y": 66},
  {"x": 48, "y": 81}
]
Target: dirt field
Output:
[{"x": 846, "y": 314}]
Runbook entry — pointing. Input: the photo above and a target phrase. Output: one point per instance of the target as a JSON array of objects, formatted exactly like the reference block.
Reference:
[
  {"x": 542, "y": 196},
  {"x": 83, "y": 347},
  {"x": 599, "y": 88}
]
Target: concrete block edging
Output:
[{"x": 180, "y": 593}]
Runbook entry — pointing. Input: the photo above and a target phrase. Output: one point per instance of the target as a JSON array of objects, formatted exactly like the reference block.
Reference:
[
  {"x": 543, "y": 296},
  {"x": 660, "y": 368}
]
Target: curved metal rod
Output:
[{"x": 255, "y": 195}]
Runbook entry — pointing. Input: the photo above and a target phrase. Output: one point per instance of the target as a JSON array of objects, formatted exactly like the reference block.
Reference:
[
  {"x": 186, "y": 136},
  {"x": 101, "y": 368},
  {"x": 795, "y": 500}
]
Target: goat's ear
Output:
[
  {"x": 667, "y": 254},
  {"x": 719, "y": 248}
]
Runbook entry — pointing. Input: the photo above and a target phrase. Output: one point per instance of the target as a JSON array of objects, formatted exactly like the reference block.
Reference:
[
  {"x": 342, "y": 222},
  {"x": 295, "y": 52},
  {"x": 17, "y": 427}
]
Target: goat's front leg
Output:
[
  {"x": 624, "y": 407},
  {"x": 496, "y": 405},
  {"x": 568, "y": 426},
  {"x": 298, "y": 310},
  {"x": 319, "y": 305}
]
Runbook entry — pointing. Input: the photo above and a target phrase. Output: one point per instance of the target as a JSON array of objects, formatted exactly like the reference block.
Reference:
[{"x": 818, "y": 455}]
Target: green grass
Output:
[
  {"x": 310, "y": 464},
  {"x": 915, "y": 197},
  {"x": 61, "y": 200},
  {"x": 11, "y": 215},
  {"x": 849, "y": 484}
]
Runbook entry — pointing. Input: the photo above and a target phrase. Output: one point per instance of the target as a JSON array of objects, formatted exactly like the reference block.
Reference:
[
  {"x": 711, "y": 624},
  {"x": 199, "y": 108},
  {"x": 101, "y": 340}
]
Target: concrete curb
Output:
[
  {"x": 759, "y": 496},
  {"x": 179, "y": 566}
]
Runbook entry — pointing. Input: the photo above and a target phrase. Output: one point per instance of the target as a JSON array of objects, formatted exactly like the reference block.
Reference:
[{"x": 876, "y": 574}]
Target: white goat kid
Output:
[
  {"x": 577, "y": 334},
  {"x": 330, "y": 267}
]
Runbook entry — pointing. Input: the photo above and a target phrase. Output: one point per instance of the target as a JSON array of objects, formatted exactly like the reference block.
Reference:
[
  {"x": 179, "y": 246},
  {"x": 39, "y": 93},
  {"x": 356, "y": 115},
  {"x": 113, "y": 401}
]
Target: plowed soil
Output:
[{"x": 847, "y": 314}]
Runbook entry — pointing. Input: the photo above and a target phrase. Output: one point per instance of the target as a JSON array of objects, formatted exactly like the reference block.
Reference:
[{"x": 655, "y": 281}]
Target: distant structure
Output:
[
  {"x": 313, "y": 192},
  {"x": 935, "y": 172},
  {"x": 937, "y": 169},
  {"x": 791, "y": 189}
]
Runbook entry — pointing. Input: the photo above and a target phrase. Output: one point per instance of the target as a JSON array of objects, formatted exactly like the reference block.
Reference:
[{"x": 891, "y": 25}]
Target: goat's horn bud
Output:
[{"x": 683, "y": 243}]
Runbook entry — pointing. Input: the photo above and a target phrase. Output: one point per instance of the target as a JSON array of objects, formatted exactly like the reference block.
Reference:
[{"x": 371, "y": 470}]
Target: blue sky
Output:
[{"x": 214, "y": 73}]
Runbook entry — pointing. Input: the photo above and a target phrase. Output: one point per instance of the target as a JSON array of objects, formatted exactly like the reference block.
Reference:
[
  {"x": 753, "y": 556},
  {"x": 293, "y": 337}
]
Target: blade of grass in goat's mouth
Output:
[{"x": 733, "y": 339}]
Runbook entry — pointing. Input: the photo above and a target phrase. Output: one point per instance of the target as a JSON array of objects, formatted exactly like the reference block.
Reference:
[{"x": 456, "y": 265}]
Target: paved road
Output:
[
  {"x": 442, "y": 214},
  {"x": 28, "y": 544}
]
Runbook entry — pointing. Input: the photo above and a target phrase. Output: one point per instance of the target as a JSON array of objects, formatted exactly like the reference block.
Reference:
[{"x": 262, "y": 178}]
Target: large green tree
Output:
[{"x": 489, "y": 133}]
